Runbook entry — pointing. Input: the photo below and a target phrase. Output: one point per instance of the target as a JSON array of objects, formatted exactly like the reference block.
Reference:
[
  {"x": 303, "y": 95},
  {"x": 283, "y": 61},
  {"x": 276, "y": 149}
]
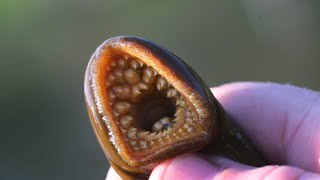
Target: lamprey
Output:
[{"x": 146, "y": 105}]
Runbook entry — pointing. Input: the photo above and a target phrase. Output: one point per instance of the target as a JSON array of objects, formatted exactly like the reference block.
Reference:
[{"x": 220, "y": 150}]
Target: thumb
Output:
[
  {"x": 192, "y": 166},
  {"x": 187, "y": 166},
  {"x": 229, "y": 169}
]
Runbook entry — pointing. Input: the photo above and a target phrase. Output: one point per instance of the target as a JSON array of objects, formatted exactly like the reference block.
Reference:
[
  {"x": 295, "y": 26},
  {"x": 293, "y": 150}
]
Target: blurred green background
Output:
[{"x": 45, "y": 46}]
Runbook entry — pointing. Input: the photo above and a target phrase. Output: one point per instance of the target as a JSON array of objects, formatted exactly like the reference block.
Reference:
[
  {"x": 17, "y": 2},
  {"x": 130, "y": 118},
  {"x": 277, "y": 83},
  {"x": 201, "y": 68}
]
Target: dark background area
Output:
[{"x": 45, "y": 46}]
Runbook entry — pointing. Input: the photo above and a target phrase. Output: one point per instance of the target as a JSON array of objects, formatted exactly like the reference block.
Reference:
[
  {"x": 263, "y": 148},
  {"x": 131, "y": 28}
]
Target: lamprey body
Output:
[{"x": 146, "y": 105}]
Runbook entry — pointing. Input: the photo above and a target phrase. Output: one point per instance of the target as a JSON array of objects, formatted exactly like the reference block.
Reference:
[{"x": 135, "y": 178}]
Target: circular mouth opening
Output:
[{"x": 151, "y": 109}]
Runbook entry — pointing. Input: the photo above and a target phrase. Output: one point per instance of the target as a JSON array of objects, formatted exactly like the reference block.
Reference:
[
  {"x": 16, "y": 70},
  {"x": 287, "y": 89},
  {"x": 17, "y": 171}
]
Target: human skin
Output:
[{"x": 282, "y": 120}]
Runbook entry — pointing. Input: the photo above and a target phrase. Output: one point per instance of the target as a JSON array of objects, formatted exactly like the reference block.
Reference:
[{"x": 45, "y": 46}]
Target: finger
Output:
[
  {"x": 282, "y": 120},
  {"x": 112, "y": 175},
  {"x": 188, "y": 166},
  {"x": 191, "y": 166},
  {"x": 232, "y": 170}
]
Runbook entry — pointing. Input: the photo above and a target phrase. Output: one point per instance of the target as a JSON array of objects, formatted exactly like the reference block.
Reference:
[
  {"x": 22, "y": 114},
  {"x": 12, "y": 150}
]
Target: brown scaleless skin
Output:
[{"x": 146, "y": 105}]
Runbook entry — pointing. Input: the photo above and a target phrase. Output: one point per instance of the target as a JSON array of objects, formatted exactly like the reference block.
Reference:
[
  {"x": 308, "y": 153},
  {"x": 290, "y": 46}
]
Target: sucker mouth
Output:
[
  {"x": 146, "y": 105},
  {"x": 149, "y": 111}
]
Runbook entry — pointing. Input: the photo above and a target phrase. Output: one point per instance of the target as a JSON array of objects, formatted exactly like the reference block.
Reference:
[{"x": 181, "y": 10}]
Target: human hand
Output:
[{"x": 282, "y": 120}]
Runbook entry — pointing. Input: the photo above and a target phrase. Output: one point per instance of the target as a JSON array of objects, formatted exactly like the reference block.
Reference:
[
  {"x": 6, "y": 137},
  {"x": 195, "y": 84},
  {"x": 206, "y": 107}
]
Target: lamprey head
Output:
[{"x": 146, "y": 105}]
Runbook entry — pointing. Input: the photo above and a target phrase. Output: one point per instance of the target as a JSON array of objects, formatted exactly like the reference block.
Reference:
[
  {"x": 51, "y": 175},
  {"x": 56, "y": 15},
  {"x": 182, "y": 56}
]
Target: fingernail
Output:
[
  {"x": 188, "y": 166},
  {"x": 225, "y": 162}
]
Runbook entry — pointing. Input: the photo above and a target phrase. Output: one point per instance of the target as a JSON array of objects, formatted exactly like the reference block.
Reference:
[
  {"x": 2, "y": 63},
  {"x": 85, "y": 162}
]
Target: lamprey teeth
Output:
[
  {"x": 133, "y": 143},
  {"x": 153, "y": 135},
  {"x": 132, "y": 133},
  {"x": 179, "y": 112},
  {"x": 180, "y": 131},
  {"x": 178, "y": 119},
  {"x": 130, "y": 80},
  {"x": 166, "y": 120},
  {"x": 162, "y": 124},
  {"x": 123, "y": 130},
  {"x": 126, "y": 121},
  {"x": 131, "y": 76},
  {"x": 115, "y": 113},
  {"x": 143, "y": 144},
  {"x": 151, "y": 142},
  {"x": 140, "y": 63},
  {"x": 162, "y": 83},
  {"x": 118, "y": 73},
  {"x": 136, "y": 148},
  {"x": 148, "y": 76},
  {"x": 134, "y": 64},
  {"x": 172, "y": 93},
  {"x": 137, "y": 90},
  {"x": 121, "y": 63},
  {"x": 111, "y": 95},
  {"x": 189, "y": 113},
  {"x": 113, "y": 64},
  {"x": 142, "y": 86},
  {"x": 186, "y": 126},
  {"x": 190, "y": 130},
  {"x": 181, "y": 103},
  {"x": 122, "y": 91},
  {"x": 157, "y": 127},
  {"x": 111, "y": 78},
  {"x": 143, "y": 134},
  {"x": 122, "y": 107},
  {"x": 190, "y": 121},
  {"x": 160, "y": 140}
]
